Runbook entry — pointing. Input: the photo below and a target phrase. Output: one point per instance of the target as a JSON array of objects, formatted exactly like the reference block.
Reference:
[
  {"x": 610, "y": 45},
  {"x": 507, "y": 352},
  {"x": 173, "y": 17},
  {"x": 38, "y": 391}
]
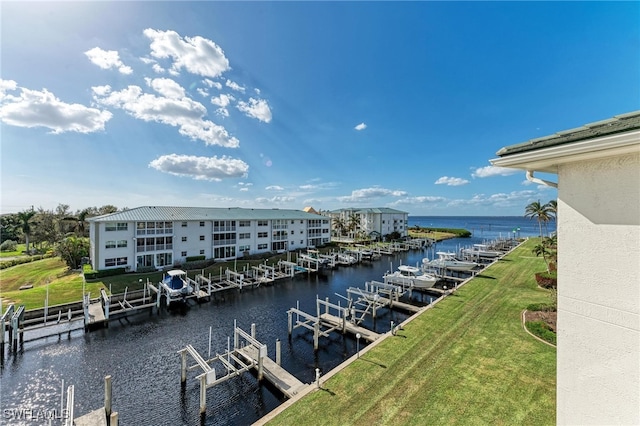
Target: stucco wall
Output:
[{"x": 599, "y": 292}]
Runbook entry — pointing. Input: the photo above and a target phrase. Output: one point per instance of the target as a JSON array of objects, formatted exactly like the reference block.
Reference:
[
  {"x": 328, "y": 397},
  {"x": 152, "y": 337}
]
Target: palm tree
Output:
[
  {"x": 540, "y": 212},
  {"x": 24, "y": 225},
  {"x": 541, "y": 250},
  {"x": 353, "y": 224},
  {"x": 79, "y": 221},
  {"x": 553, "y": 209},
  {"x": 339, "y": 226}
]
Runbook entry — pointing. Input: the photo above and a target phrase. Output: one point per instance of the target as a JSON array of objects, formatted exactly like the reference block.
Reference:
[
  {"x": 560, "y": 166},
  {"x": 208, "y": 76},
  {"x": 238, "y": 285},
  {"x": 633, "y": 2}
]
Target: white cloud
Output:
[
  {"x": 222, "y": 102},
  {"x": 234, "y": 86},
  {"x": 197, "y": 55},
  {"x": 32, "y": 108},
  {"x": 175, "y": 110},
  {"x": 489, "y": 171},
  {"x": 366, "y": 194},
  {"x": 361, "y": 126},
  {"x": 107, "y": 59},
  {"x": 274, "y": 188},
  {"x": 424, "y": 199},
  {"x": 275, "y": 200},
  {"x": 256, "y": 108},
  {"x": 201, "y": 168},
  {"x": 211, "y": 83},
  {"x": 166, "y": 87},
  {"x": 451, "y": 181},
  {"x": 202, "y": 92}
]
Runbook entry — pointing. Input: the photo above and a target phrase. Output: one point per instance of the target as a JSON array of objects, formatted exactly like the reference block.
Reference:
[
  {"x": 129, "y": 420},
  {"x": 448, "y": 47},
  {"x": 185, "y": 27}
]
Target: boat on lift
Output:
[
  {"x": 481, "y": 250},
  {"x": 411, "y": 276},
  {"x": 175, "y": 285},
  {"x": 448, "y": 260}
]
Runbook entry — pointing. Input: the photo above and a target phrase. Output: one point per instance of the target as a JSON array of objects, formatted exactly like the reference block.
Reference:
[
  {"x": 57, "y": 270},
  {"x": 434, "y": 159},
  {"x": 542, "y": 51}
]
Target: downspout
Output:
[{"x": 533, "y": 179}]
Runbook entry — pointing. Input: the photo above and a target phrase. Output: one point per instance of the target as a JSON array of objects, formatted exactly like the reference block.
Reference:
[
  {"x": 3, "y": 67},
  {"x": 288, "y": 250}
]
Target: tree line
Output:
[{"x": 61, "y": 230}]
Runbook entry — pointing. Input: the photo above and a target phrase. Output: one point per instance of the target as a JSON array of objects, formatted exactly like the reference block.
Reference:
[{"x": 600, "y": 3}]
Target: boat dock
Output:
[{"x": 248, "y": 353}]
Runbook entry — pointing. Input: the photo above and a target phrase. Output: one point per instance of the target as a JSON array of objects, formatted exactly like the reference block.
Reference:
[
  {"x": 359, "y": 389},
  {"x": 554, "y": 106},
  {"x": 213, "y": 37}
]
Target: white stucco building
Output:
[
  {"x": 155, "y": 236},
  {"x": 371, "y": 222},
  {"x": 598, "y": 181}
]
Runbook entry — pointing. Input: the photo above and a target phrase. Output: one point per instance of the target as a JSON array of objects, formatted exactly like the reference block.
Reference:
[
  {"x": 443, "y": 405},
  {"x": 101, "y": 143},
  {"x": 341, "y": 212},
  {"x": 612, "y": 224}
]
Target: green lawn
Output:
[
  {"x": 20, "y": 248},
  {"x": 466, "y": 361},
  {"x": 64, "y": 285}
]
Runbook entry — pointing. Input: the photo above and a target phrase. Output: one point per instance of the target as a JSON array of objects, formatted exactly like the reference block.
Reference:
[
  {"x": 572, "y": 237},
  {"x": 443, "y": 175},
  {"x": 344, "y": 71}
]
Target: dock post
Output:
[
  {"x": 183, "y": 367},
  {"x": 253, "y": 330},
  {"x": 327, "y": 305},
  {"x": 289, "y": 321},
  {"x": 278, "y": 349},
  {"x": 260, "y": 365},
  {"x": 316, "y": 334},
  {"x": 107, "y": 397},
  {"x": 203, "y": 394}
]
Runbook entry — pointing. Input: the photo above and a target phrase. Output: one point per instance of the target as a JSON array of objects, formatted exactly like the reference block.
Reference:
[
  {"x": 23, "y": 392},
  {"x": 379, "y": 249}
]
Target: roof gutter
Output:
[{"x": 539, "y": 181}]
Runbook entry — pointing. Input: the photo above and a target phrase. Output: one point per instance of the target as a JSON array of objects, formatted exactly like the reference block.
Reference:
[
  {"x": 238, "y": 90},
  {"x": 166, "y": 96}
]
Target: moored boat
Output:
[
  {"x": 448, "y": 260},
  {"x": 411, "y": 276},
  {"x": 176, "y": 285},
  {"x": 481, "y": 250}
]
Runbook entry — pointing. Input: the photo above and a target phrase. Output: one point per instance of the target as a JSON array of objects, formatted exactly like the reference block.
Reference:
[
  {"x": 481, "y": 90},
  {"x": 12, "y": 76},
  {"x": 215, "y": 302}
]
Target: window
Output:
[
  {"x": 244, "y": 223},
  {"x": 201, "y": 251},
  {"x": 122, "y": 243},
  {"x": 119, "y": 226},
  {"x": 184, "y": 239},
  {"x": 263, "y": 223},
  {"x": 184, "y": 224},
  {"x": 292, "y": 232},
  {"x": 110, "y": 244},
  {"x": 301, "y": 231},
  {"x": 244, "y": 236},
  {"x": 201, "y": 237},
  {"x": 301, "y": 242},
  {"x": 263, "y": 246},
  {"x": 244, "y": 248},
  {"x": 224, "y": 252},
  {"x": 183, "y": 254},
  {"x": 263, "y": 235},
  {"x": 163, "y": 259},
  {"x": 202, "y": 223},
  {"x": 115, "y": 261}
]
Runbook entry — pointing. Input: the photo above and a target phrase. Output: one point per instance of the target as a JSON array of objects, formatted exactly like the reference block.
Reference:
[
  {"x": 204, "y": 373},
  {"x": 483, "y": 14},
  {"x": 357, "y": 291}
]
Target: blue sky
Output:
[{"x": 295, "y": 104}]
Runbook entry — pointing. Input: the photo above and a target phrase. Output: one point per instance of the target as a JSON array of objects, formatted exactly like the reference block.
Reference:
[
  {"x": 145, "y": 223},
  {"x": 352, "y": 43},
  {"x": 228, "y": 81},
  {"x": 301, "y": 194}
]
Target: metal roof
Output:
[
  {"x": 618, "y": 124},
  {"x": 167, "y": 213}
]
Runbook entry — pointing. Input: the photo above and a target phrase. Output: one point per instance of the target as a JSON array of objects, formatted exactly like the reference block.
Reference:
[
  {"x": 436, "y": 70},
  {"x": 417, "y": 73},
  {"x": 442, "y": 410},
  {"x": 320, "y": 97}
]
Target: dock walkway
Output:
[
  {"x": 284, "y": 381},
  {"x": 349, "y": 327}
]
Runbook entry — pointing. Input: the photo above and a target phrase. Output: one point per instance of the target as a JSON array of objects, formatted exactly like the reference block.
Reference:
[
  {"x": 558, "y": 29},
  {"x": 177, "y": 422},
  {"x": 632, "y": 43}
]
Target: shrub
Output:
[
  {"x": 8, "y": 245},
  {"x": 19, "y": 261},
  {"x": 542, "y": 330},
  {"x": 194, "y": 258},
  {"x": 544, "y": 307}
]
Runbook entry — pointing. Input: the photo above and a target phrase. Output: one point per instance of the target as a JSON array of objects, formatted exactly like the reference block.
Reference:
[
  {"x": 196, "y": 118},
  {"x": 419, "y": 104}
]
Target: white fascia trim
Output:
[{"x": 547, "y": 159}]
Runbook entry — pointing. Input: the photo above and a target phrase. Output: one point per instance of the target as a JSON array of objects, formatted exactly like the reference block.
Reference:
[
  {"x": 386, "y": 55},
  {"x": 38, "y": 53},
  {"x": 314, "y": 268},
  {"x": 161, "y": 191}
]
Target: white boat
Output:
[
  {"x": 175, "y": 285},
  {"x": 448, "y": 260},
  {"x": 410, "y": 276},
  {"x": 481, "y": 250}
]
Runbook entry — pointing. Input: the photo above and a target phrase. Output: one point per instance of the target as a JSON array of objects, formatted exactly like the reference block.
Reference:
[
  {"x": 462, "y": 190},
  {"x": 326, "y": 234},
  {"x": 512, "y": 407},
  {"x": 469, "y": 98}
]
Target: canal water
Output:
[{"x": 140, "y": 352}]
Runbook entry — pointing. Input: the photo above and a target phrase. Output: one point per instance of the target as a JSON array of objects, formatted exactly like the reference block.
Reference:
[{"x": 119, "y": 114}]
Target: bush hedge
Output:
[
  {"x": 542, "y": 330},
  {"x": 20, "y": 260}
]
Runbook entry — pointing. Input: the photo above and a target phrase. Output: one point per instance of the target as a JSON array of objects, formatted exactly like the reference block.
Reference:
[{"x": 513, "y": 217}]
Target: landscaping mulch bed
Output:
[{"x": 549, "y": 318}]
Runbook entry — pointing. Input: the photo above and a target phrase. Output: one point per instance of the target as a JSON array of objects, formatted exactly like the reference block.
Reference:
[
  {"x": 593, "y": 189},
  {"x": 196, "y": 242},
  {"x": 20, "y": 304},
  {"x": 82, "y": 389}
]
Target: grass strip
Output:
[{"x": 465, "y": 361}]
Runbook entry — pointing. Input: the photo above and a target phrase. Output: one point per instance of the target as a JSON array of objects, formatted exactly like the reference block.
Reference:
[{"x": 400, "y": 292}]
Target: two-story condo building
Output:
[
  {"x": 155, "y": 236},
  {"x": 370, "y": 222}
]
